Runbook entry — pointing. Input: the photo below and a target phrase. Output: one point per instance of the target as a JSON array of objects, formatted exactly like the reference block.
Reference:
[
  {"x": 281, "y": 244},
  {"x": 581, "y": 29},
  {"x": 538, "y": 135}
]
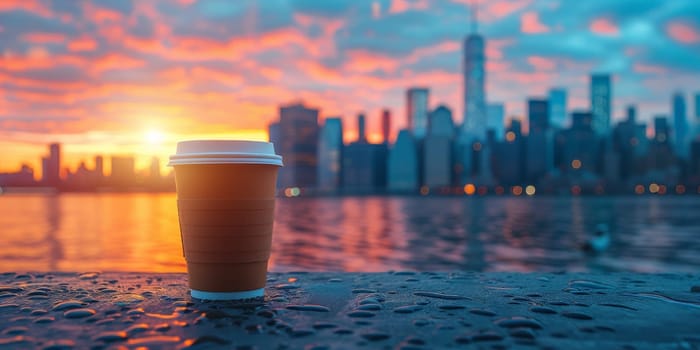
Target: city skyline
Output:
[{"x": 143, "y": 89}]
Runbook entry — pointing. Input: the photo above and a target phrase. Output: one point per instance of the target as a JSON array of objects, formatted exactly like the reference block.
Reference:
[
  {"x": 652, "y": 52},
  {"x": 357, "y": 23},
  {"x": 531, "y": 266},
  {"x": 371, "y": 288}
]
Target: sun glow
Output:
[{"x": 154, "y": 137}]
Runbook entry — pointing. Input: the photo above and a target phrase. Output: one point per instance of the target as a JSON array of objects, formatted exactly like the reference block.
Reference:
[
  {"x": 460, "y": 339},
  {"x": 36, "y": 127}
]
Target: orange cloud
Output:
[
  {"x": 363, "y": 61},
  {"x": 82, "y": 44},
  {"x": 604, "y": 26},
  {"x": 541, "y": 63},
  {"x": 38, "y": 59},
  {"x": 683, "y": 33},
  {"x": 44, "y": 38},
  {"x": 530, "y": 23},
  {"x": 115, "y": 61}
]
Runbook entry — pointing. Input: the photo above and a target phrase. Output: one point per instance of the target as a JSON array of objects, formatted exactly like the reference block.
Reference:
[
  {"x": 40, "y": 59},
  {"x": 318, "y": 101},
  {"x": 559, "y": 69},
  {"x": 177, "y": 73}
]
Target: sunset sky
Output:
[{"x": 133, "y": 77}]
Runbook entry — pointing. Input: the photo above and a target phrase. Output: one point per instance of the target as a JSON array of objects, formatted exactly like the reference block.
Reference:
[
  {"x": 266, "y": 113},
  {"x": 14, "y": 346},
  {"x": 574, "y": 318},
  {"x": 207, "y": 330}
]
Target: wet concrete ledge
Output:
[{"x": 393, "y": 310}]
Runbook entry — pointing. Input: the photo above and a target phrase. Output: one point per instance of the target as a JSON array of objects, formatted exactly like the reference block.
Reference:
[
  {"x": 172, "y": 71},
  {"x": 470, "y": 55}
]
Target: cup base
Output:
[{"x": 247, "y": 294}]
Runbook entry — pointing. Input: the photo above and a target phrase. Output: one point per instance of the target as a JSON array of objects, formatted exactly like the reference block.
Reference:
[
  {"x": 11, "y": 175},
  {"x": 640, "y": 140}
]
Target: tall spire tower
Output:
[{"x": 474, "y": 81}]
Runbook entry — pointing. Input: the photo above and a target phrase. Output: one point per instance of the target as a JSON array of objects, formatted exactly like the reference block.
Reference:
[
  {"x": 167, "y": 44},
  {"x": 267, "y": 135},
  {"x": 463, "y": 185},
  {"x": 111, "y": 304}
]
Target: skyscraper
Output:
[
  {"x": 538, "y": 149},
  {"x": 417, "y": 110},
  {"x": 52, "y": 166},
  {"x": 122, "y": 174},
  {"x": 538, "y": 115},
  {"x": 361, "y": 128},
  {"x": 601, "y": 103},
  {"x": 386, "y": 125},
  {"x": 474, "y": 83},
  {"x": 441, "y": 122},
  {"x": 495, "y": 121},
  {"x": 330, "y": 155},
  {"x": 402, "y": 171},
  {"x": 680, "y": 124},
  {"x": 557, "y": 108},
  {"x": 298, "y": 145},
  {"x": 437, "y": 149}
]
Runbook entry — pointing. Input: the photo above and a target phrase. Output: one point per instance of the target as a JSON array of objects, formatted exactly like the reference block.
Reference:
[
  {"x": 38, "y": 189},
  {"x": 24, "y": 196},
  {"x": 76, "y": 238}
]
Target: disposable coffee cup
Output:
[{"x": 226, "y": 204}]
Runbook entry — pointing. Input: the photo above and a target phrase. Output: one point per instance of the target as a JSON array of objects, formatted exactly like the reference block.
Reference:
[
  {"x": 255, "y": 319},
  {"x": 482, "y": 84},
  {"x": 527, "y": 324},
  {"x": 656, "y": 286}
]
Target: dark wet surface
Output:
[{"x": 346, "y": 311}]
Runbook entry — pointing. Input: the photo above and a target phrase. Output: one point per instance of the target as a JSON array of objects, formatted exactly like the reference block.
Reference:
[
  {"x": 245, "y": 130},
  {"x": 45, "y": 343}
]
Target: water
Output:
[{"x": 139, "y": 232}]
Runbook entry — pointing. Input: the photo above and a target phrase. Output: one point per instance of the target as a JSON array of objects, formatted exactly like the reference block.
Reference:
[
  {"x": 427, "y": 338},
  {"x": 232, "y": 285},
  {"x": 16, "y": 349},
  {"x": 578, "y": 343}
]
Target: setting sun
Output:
[{"x": 154, "y": 137}]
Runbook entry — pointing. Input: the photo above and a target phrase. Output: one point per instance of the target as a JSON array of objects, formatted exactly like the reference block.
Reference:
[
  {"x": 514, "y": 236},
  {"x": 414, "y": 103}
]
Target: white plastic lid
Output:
[{"x": 225, "y": 152}]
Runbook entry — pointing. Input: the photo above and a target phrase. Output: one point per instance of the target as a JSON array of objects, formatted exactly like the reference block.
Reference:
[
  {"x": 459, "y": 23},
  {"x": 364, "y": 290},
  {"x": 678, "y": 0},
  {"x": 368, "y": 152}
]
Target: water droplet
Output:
[
  {"x": 110, "y": 337},
  {"x": 17, "y": 340},
  {"x": 370, "y": 307},
  {"x": 8, "y": 306},
  {"x": 285, "y": 286},
  {"x": 587, "y": 284},
  {"x": 363, "y": 290},
  {"x": 37, "y": 292},
  {"x": 137, "y": 328},
  {"x": 369, "y": 300},
  {"x": 451, "y": 307},
  {"x": 376, "y": 336},
  {"x": 300, "y": 333},
  {"x": 309, "y": 307},
  {"x": 157, "y": 341},
  {"x": 7, "y": 295},
  {"x": 405, "y": 273},
  {"x": 127, "y": 299},
  {"x": 482, "y": 312},
  {"x": 361, "y": 314},
  {"x": 415, "y": 341},
  {"x": 408, "y": 309},
  {"x": 15, "y": 330},
  {"x": 343, "y": 331},
  {"x": 335, "y": 280},
  {"x": 10, "y": 289},
  {"x": 559, "y": 303},
  {"x": 577, "y": 316},
  {"x": 695, "y": 289},
  {"x": 619, "y": 306},
  {"x": 519, "y": 322},
  {"x": 440, "y": 296},
  {"x": 523, "y": 333},
  {"x": 44, "y": 319},
  {"x": 79, "y": 313},
  {"x": 324, "y": 325},
  {"x": 254, "y": 329},
  {"x": 89, "y": 276},
  {"x": 206, "y": 340},
  {"x": 487, "y": 336},
  {"x": 667, "y": 299},
  {"x": 421, "y": 322},
  {"x": 60, "y": 344},
  {"x": 542, "y": 310},
  {"x": 67, "y": 305}
]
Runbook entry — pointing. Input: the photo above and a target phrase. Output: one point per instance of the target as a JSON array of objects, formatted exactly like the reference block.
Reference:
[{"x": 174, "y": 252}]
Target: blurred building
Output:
[
  {"x": 580, "y": 144},
  {"x": 361, "y": 128},
  {"x": 631, "y": 144},
  {"x": 539, "y": 148},
  {"x": 21, "y": 178},
  {"x": 123, "y": 174},
  {"x": 386, "y": 126},
  {"x": 557, "y": 108},
  {"x": 474, "y": 84},
  {"x": 364, "y": 167},
  {"x": 437, "y": 149},
  {"x": 601, "y": 103},
  {"x": 509, "y": 167},
  {"x": 297, "y": 143},
  {"x": 680, "y": 124},
  {"x": 330, "y": 155},
  {"x": 417, "y": 111},
  {"x": 51, "y": 166},
  {"x": 402, "y": 168},
  {"x": 496, "y": 114},
  {"x": 661, "y": 155}
]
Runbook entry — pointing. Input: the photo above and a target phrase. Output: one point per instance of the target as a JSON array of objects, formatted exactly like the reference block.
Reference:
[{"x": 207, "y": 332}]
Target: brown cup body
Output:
[{"x": 226, "y": 214}]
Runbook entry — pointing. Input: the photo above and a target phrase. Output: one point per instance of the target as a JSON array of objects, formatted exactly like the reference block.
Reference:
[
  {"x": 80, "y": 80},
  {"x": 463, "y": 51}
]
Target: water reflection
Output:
[
  {"x": 140, "y": 232},
  {"x": 53, "y": 219}
]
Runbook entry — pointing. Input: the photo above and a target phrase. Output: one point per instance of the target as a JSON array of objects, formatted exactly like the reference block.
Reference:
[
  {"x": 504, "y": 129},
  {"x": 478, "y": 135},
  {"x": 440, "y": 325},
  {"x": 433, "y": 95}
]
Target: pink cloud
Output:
[
  {"x": 604, "y": 26},
  {"x": 541, "y": 63},
  {"x": 100, "y": 15},
  {"x": 649, "y": 69},
  {"x": 683, "y": 33},
  {"x": 43, "y": 38},
  {"x": 530, "y": 23},
  {"x": 34, "y": 6},
  {"x": 398, "y": 6}
]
